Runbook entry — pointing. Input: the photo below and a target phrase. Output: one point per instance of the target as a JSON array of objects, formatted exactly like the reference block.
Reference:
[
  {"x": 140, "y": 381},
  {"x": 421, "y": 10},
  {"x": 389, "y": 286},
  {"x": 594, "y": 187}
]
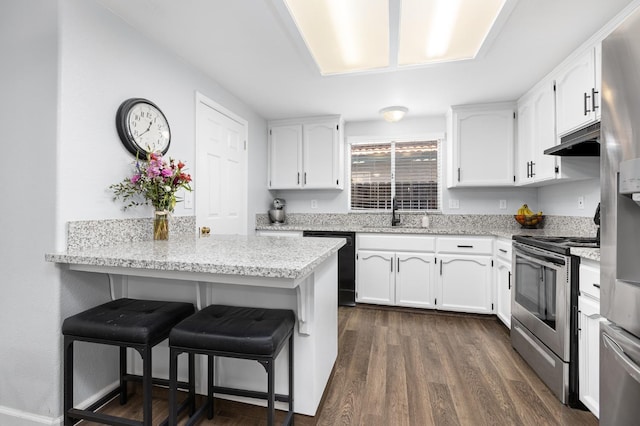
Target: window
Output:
[{"x": 407, "y": 170}]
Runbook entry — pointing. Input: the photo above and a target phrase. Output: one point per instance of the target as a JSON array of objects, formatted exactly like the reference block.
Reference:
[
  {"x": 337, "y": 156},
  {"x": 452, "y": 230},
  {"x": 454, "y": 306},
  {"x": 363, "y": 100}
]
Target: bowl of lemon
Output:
[{"x": 527, "y": 218}]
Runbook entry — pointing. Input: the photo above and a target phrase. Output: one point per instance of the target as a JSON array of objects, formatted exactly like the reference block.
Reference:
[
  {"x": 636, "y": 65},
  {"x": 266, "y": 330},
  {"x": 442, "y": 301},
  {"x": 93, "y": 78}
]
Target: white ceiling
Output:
[{"x": 251, "y": 47}]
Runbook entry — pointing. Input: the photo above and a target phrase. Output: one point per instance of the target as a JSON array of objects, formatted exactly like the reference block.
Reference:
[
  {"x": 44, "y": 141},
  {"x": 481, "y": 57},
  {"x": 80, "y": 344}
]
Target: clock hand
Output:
[{"x": 148, "y": 128}]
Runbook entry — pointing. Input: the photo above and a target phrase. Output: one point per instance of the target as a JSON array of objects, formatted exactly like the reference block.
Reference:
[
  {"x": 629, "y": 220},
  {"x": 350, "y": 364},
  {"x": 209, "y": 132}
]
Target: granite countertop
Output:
[
  {"x": 289, "y": 258},
  {"x": 453, "y": 230},
  {"x": 588, "y": 253}
]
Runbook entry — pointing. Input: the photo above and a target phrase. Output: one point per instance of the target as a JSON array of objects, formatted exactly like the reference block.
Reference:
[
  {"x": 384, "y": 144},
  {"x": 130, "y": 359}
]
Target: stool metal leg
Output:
[
  {"x": 192, "y": 383},
  {"x": 210, "y": 385},
  {"x": 147, "y": 383},
  {"x": 123, "y": 371},
  {"x": 173, "y": 384},
  {"x": 68, "y": 379},
  {"x": 271, "y": 393},
  {"x": 291, "y": 378}
]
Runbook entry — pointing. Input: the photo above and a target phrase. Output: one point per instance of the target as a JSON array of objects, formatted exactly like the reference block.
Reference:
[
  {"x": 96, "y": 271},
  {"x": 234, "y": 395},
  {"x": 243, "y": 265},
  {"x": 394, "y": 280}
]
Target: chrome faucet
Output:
[{"x": 395, "y": 221}]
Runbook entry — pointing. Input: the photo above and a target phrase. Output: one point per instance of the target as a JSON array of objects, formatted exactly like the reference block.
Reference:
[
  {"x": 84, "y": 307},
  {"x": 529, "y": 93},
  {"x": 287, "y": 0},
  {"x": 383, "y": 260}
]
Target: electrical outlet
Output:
[
  {"x": 581, "y": 202},
  {"x": 454, "y": 204},
  {"x": 503, "y": 204},
  {"x": 314, "y": 204}
]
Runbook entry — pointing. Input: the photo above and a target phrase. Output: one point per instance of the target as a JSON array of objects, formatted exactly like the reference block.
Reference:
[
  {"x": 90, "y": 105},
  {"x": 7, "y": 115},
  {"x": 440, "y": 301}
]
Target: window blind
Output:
[{"x": 407, "y": 170}]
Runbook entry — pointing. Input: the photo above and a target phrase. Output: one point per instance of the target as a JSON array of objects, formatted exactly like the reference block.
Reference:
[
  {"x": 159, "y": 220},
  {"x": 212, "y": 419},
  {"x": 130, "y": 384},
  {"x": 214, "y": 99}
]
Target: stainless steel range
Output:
[{"x": 544, "y": 309}]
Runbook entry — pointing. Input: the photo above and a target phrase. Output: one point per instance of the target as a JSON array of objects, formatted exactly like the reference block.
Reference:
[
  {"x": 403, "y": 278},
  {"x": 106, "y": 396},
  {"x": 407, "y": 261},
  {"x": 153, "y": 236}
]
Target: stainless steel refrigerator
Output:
[{"x": 620, "y": 226}]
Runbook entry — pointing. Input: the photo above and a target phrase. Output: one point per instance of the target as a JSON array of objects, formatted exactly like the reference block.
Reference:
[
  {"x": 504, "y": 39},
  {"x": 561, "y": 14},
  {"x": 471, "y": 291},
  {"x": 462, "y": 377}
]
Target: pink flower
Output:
[
  {"x": 166, "y": 172},
  {"x": 135, "y": 178}
]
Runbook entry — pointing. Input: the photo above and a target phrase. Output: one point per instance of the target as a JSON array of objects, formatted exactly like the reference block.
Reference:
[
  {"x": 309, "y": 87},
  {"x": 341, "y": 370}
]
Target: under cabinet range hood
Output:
[{"x": 581, "y": 143}]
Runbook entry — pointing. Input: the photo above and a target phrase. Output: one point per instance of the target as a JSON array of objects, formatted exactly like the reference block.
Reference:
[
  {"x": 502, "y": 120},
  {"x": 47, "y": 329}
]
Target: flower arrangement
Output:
[{"x": 155, "y": 181}]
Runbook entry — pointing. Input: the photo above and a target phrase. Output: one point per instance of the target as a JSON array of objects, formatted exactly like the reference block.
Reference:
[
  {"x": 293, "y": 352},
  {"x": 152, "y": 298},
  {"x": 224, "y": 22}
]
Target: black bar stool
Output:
[
  {"x": 234, "y": 332},
  {"x": 127, "y": 323}
]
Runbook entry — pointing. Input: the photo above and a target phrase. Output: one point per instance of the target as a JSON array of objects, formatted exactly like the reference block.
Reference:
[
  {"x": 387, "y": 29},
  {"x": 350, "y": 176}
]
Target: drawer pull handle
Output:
[
  {"x": 596, "y": 285},
  {"x": 502, "y": 250},
  {"x": 464, "y": 246}
]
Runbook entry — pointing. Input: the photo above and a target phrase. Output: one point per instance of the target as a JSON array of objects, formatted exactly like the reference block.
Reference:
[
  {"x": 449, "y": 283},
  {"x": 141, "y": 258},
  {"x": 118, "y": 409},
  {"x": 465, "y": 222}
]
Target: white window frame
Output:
[{"x": 361, "y": 140}]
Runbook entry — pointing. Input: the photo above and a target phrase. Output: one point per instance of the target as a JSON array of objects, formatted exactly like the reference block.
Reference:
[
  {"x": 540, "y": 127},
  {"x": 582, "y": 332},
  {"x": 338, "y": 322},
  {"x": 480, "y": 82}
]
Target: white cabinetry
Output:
[
  {"x": 588, "y": 336},
  {"x": 481, "y": 145},
  {"x": 395, "y": 270},
  {"x": 536, "y": 132},
  {"x": 503, "y": 280},
  {"x": 464, "y": 281},
  {"x": 306, "y": 154},
  {"x": 577, "y": 92}
]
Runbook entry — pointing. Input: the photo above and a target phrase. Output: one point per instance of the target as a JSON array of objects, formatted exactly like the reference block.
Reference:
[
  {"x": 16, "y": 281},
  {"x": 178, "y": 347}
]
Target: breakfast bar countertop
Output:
[{"x": 220, "y": 254}]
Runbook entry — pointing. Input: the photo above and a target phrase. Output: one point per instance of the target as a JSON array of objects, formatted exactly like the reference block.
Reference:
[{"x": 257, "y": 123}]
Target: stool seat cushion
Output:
[
  {"x": 233, "y": 329},
  {"x": 125, "y": 320}
]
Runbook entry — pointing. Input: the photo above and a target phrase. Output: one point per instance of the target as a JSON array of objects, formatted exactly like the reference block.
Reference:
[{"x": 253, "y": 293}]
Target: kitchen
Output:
[{"x": 79, "y": 44}]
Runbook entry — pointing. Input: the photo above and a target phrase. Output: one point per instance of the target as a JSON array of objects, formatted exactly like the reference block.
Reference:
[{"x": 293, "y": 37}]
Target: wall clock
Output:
[{"x": 142, "y": 127}]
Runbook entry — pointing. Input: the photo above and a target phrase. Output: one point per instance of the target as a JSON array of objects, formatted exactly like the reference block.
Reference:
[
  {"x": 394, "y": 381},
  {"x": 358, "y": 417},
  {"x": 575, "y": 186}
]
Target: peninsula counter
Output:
[{"x": 270, "y": 272}]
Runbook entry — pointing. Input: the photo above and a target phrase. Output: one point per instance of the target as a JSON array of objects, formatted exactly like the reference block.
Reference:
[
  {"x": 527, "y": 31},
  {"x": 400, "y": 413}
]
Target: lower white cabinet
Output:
[
  {"x": 395, "y": 278},
  {"x": 503, "y": 290},
  {"x": 589, "y": 336},
  {"x": 414, "y": 279},
  {"x": 375, "y": 277},
  {"x": 464, "y": 283},
  {"x": 502, "y": 280}
]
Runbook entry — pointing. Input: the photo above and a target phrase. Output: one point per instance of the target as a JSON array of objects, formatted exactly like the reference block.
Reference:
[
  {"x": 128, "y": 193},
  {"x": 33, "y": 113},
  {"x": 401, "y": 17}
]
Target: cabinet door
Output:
[
  {"x": 589, "y": 353},
  {"x": 414, "y": 280},
  {"x": 320, "y": 150},
  {"x": 484, "y": 147},
  {"x": 544, "y": 133},
  {"x": 285, "y": 157},
  {"x": 526, "y": 141},
  {"x": 574, "y": 85},
  {"x": 503, "y": 291},
  {"x": 375, "y": 277},
  {"x": 465, "y": 283}
]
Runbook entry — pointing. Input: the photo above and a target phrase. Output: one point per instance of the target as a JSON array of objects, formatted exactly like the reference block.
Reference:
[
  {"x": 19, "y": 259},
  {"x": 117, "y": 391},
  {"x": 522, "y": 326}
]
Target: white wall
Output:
[
  {"x": 105, "y": 61},
  {"x": 562, "y": 199},
  {"x": 66, "y": 67},
  {"x": 29, "y": 306},
  {"x": 471, "y": 201}
]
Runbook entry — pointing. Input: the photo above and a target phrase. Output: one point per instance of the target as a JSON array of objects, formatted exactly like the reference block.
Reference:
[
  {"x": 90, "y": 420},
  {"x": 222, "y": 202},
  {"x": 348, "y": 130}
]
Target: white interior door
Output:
[{"x": 221, "y": 169}]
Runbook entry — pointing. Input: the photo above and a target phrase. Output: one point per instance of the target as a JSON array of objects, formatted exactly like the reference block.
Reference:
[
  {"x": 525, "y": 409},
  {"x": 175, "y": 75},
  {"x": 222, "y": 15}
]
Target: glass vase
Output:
[{"x": 161, "y": 225}]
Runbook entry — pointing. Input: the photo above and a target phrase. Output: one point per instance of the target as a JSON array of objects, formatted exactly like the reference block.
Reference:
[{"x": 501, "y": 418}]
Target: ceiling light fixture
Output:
[
  {"x": 393, "y": 114},
  {"x": 346, "y": 36}
]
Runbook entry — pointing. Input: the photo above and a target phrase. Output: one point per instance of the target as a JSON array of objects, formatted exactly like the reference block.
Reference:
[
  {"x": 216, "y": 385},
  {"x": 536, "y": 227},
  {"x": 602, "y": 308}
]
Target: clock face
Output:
[{"x": 142, "y": 127}]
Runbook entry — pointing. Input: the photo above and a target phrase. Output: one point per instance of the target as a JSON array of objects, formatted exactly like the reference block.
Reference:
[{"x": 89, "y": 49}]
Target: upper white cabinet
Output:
[
  {"x": 306, "y": 154},
  {"x": 536, "y": 132},
  {"x": 481, "y": 145},
  {"x": 578, "y": 92}
]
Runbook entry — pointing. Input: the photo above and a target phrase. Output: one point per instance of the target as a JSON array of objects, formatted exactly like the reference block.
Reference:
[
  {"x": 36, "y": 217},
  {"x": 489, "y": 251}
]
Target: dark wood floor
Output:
[{"x": 409, "y": 367}]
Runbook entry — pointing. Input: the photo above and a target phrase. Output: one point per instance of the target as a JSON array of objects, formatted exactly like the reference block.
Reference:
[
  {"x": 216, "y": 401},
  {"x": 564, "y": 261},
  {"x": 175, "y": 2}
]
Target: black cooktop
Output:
[{"x": 561, "y": 245}]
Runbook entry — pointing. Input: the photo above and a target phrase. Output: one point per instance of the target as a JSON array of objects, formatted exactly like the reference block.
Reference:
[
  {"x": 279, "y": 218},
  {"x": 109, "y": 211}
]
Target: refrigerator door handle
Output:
[{"x": 627, "y": 363}]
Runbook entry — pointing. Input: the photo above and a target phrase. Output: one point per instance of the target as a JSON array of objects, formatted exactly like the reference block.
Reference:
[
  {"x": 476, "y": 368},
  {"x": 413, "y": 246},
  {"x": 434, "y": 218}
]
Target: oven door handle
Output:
[{"x": 539, "y": 258}]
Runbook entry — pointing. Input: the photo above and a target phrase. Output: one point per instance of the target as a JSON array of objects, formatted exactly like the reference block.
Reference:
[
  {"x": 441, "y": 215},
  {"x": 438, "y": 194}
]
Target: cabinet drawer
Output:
[
  {"x": 503, "y": 249},
  {"x": 390, "y": 242},
  {"x": 475, "y": 245},
  {"x": 590, "y": 280}
]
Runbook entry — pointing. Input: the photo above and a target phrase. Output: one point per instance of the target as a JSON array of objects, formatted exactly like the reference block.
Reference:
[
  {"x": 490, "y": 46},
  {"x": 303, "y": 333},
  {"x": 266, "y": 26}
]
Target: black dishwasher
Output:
[{"x": 346, "y": 265}]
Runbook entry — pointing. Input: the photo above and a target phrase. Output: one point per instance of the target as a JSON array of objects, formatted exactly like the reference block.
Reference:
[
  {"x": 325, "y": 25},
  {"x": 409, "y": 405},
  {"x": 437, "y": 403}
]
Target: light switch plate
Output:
[
  {"x": 188, "y": 199},
  {"x": 503, "y": 204},
  {"x": 581, "y": 202},
  {"x": 454, "y": 204},
  {"x": 314, "y": 204}
]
